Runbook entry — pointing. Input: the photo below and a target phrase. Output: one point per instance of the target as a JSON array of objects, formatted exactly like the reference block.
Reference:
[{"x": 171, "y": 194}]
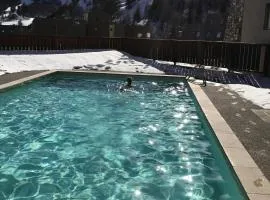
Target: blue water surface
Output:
[{"x": 79, "y": 137}]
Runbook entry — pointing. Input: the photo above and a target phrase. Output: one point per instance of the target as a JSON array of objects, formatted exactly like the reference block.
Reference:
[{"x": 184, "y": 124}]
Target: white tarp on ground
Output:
[{"x": 109, "y": 60}]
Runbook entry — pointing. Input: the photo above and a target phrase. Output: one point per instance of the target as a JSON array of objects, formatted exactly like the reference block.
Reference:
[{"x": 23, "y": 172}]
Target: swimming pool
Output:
[{"x": 77, "y": 136}]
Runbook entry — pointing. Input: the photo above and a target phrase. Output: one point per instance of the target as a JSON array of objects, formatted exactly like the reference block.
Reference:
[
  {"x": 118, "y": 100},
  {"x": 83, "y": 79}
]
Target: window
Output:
[
  {"x": 219, "y": 35},
  {"x": 267, "y": 17}
]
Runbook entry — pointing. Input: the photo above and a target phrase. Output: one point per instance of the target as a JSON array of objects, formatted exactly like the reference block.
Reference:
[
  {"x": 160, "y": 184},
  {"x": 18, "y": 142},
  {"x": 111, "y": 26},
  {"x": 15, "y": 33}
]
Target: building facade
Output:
[
  {"x": 248, "y": 21},
  {"x": 15, "y": 30},
  {"x": 256, "y": 22},
  {"x": 58, "y": 27}
]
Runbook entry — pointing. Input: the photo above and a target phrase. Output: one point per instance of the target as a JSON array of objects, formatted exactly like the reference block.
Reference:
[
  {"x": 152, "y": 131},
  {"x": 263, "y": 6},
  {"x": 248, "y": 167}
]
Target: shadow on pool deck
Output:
[
  {"x": 212, "y": 74},
  {"x": 215, "y": 75},
  {"x": 252, "y": 131}
]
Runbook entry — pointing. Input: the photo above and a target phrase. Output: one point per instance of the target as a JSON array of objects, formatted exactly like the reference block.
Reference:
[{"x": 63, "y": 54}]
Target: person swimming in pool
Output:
[{"x": 128, "y": 85}]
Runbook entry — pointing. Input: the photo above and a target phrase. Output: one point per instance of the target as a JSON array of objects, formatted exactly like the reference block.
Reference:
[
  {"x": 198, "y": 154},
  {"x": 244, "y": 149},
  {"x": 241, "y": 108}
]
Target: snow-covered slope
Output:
[
  {"x": 15, "y": 15},
  {"x": 141, "y": 5},
  {"x": 82, "y": 3},
  {"x": 10, "y": 17},
  {"x": 163, "y": 10}
]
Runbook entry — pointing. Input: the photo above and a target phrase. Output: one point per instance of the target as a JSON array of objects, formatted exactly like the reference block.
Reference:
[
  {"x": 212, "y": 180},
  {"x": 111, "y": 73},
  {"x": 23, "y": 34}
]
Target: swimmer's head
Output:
[{"x": 129, "y": 81}]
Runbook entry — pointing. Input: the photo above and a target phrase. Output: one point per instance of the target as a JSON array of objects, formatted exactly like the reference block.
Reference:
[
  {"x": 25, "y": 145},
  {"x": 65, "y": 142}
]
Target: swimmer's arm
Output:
[{"x": 122, "y": 88}]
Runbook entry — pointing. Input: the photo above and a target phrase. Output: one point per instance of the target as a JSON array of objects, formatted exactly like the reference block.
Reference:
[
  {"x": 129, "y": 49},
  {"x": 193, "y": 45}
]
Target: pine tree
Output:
[
  {"x": 190, "y": 13},
  {"x": 20, "y": 24},
  {"x": 137, "y": 15},
  {"x": 155, "y": 10},
  {"x": 180, "y": 6},
  {"x": 223, "y": 6},
  {"x": 111, "y": 7},
  {"x": 199, "y": 11},
  {"x": 129, "y": 3}
]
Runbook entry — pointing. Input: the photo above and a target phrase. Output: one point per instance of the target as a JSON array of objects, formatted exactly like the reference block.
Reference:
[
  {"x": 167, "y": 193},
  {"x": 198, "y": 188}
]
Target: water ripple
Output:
[{"x": 79, "y": 138}]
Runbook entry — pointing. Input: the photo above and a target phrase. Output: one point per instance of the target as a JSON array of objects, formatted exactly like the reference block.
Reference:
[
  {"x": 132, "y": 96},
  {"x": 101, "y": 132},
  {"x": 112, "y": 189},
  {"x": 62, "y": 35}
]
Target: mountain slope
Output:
[
  {"x": 167, "y": 18},
  {"x": 157, "y": 9}
]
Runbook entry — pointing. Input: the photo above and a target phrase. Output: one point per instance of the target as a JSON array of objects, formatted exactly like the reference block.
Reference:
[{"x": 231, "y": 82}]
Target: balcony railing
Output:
[{"x": 234, "y": 56}]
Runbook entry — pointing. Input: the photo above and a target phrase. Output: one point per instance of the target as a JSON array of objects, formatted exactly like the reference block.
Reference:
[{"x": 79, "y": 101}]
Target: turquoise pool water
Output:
[{"x": 78, "y": 137}]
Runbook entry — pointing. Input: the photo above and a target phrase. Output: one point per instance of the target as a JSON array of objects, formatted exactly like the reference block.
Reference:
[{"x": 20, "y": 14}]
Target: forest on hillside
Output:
[{"x": 166, "y": 17}]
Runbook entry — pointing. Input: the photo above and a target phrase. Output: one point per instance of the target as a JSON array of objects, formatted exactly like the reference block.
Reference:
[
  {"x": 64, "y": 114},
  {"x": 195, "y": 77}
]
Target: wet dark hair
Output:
[
  {"x": 129, "y": 79},
  {"x": 129, "y": 82}
]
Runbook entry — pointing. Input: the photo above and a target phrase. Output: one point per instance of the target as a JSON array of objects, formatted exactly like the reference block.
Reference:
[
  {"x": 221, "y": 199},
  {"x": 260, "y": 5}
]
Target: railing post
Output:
[
  {"x": 122, "y": 44},
  {"x": 174, "y": 57},
  {"x": 266, "y": 61},
  {"x": 199, "y": 53},
  {"x": 262, "y": 58}
]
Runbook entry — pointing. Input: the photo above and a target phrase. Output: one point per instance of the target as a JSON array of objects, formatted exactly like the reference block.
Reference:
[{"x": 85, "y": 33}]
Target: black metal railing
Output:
[{"x": 234, "y": 56}]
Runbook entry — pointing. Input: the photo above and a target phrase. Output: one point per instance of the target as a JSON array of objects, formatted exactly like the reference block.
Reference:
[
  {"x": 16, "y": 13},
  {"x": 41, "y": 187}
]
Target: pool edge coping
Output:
[
  {"x": 255, "y": 184},
  {"x": 25, "y": 79},
  {"x": 41, "y": 74},
  {"x": 249, "y": 174},
  {"x": 119, "y": 73}
]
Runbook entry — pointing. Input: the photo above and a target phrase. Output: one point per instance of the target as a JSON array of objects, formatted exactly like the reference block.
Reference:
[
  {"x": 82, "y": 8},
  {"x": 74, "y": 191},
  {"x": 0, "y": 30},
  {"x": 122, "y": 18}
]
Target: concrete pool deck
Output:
[
  {"x": 229, "y": 130},
  {"x": 249, "y": 122},
  {"x": 251, "y": 177}
]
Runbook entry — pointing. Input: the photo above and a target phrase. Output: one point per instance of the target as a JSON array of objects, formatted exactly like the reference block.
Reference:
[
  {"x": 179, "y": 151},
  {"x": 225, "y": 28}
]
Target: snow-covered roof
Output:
[
  {"x": 25, "y": 22},
  {"x": 142, "y": 22},
  {"x": 8, "y": 9}
]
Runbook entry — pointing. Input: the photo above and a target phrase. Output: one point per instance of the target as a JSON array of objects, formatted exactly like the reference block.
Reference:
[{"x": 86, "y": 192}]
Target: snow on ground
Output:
[
  {"x": 259, "y": 96},
  {"x": 95, "y": 60},
  {"x": 192, "y": 65},
  {"x": 112, "y": 61}
]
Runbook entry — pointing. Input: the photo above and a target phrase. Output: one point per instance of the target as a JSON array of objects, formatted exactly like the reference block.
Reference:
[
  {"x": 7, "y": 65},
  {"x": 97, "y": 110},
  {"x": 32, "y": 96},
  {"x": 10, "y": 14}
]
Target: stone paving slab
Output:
[
  {"x": 6, "y": 78},
  {"x": 11, "y": 84},
  {"x": 263, "y": 114},
  {"x": 249, "y": 174},
  {"x": 251, "y": 128}
]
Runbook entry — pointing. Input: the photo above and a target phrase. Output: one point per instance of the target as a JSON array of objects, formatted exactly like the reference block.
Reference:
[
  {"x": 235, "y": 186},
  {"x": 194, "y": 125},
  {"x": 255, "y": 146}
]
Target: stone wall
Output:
[{"x": 234, "y": 21}]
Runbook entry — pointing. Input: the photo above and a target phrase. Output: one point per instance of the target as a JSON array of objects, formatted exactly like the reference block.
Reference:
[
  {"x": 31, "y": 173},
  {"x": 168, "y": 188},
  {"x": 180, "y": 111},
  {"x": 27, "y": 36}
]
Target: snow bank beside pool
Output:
[
  {"x": 98, "y": 60},
  {"x": 258, "y": 96}
]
